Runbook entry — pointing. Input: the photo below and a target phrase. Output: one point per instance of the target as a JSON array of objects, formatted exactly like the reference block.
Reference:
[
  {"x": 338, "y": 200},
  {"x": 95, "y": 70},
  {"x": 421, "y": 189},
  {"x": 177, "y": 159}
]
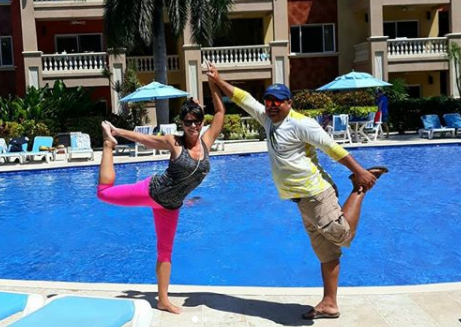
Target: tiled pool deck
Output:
[{"x": 400, "y": 306}]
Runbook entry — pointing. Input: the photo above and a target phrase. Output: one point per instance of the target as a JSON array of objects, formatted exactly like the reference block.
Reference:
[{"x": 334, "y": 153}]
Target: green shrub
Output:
[
  {"x": 231, "y": 126},
  {"x": 8, "y": 130},
  {"x": 311, "y": 100},
  {"x": 356, "y": 98},
  {"x": 406, "y": 114}
]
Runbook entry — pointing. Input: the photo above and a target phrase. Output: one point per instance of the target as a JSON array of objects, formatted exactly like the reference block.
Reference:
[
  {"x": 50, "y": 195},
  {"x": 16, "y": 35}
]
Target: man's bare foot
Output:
[
  {"x": 376, "y": 171},
  {"x": 107, "y": 135},
  {"x": 170, "y": 307}
]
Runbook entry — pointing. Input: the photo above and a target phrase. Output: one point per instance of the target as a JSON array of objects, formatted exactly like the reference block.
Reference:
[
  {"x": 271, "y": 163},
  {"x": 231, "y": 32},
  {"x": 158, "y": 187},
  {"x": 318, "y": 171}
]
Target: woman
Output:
[{"x": 188, "y": 166}]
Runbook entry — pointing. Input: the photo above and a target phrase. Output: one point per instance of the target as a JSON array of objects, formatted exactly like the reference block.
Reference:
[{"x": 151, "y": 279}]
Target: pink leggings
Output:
[{"x": 137, "y": 195}]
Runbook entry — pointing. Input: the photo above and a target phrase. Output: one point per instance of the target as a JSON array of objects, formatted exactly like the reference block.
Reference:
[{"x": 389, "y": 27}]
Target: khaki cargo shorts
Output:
[{"x": 325, "y": 223}]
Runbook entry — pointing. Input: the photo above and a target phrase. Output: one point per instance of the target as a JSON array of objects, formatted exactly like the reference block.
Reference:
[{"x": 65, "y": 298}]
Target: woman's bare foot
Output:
[
  {"x": 376, "y": 171},
  {"x": 168, "y": 306},
  {"x": 107, "y": 135}
]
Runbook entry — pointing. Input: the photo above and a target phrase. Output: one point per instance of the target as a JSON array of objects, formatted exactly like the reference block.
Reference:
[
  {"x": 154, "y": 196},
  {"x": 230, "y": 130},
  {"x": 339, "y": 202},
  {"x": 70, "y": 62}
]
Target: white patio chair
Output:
[
  {"x": 373, "y": 126},
  {"x": 140, "y": 148},
  {"x": 340, "y": 128}
]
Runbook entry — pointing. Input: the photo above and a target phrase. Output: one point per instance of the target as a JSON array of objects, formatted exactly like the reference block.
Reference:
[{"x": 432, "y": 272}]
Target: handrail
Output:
[{"x": 74, "y": 61}]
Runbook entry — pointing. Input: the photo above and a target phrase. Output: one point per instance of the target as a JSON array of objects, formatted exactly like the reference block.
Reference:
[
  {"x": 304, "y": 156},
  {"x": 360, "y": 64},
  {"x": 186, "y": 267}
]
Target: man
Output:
[
  {"x": 383, "y": 103},
  {"x": 291, "y": 140}
]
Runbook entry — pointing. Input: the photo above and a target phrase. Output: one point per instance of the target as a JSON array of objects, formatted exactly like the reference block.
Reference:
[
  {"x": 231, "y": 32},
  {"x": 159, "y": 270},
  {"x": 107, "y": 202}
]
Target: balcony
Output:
[
  {"x": 68, "y": 9},
  {"x": 423, "y": 48},
  {"x": 76, "y": 69},
  {"x": 240, "y": 63},
  {"x": 244, "y": 56},
  {"x": 145, "y": 64},
  {"x": 408, "y": 55}
]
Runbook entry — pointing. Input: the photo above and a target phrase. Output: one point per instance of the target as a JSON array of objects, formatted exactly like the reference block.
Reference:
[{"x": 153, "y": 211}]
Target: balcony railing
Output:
[
  {"x": 145, "y": 64},
  {"x": 74, "y": 62},
  {"x": 423, "y": 47},
  {"x": 244, "y": 55}
]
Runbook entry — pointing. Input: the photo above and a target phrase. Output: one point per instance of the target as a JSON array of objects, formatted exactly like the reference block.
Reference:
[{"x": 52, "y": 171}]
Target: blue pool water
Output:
[{"x": 52, "y": 227}]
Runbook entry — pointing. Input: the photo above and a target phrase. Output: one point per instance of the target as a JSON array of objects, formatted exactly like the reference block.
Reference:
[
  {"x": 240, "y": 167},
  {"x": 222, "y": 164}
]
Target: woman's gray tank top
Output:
[{"x": 179, "y": 179}]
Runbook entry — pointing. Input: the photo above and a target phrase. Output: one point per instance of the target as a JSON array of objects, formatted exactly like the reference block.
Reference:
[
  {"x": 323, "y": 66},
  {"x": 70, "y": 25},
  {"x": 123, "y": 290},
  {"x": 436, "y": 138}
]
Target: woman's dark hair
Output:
[{"x": 190, "y": 107}]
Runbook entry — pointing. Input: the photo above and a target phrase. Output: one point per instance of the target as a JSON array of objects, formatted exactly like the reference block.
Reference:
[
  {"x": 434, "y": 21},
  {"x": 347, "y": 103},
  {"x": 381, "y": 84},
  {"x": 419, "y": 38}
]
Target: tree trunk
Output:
[{"x": 160, "y": 61}]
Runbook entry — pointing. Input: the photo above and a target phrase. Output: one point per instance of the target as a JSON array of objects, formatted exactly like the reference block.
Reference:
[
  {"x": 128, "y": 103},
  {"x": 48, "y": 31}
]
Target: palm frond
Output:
[
  {"x": 201, "y": 21},
  {"x": 219, "y": 11},
  {"x": 121, "y": 22},
  {"x": 145, "y": 20},
  {"x": 177, "y": 13}
]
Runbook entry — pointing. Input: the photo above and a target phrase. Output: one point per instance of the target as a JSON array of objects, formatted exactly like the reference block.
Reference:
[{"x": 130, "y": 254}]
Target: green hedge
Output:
[{"x": 405, "y": 115}]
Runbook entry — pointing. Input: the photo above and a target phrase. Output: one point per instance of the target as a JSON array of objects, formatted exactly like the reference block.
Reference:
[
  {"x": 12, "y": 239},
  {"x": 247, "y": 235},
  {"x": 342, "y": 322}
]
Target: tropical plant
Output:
[
  {"x": 454, "y": 54},
  {"x": 134, "y": 114},
  {"x": 398, "y": 91},
  {"x": 127, "y": 20},
  {"x": 312, "y": 100}
]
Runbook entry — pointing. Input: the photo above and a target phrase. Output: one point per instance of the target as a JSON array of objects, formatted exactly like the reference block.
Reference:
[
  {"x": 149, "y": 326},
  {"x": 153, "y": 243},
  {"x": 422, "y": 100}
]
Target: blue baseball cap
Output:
[{"x": 278, "y": 91}]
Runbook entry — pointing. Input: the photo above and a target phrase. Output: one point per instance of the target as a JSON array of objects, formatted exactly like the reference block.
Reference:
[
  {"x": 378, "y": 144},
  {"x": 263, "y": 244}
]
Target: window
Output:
[
  {"x": 79, "y": 43},
  {"x": 408, "y": 29},
  {"x": 6, "y": 51},
  {"x": 312, "y": 38}
]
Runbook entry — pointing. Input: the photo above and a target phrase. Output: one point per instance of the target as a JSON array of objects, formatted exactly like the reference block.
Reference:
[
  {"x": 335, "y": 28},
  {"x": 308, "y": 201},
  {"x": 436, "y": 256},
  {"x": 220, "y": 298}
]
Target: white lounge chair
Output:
[
  {"x": 12, "y": 303},
  {"x": 80, "y": 146},
  {"x": 79, "y": 311},
  {"x": 453, "y": 121},
  {"x": 340, "y": 128},
  {"x": 39, "y": 141},
  {"x": 432, "y": 125},
  {"x": 139, "y": 147},
  {"x": 6, "y": 155}
]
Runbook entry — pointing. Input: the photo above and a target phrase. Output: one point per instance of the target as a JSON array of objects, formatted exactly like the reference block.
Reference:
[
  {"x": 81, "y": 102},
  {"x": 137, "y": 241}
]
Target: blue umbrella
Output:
[
  {"x": 154, "y": 91},
  {"x": 353, "y": 80}
]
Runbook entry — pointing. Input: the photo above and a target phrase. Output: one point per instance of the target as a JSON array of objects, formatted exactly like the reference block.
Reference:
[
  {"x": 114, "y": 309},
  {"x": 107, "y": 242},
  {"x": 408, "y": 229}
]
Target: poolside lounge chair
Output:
[
  {"x": 373, "y": 126},
  {"x": 80, "y": 145},
  {"x": 40, "y": 141},
  {"x": 139, "y": 147},
  {"x": 453, "y": 121},
  {"x": 218, "y": 144},
  {"x": 79, "y": 311},
  {"x": 6, "y": 154},
  {"x": 432, "y": 125},
  {"x": 12, "y": 303},
  {"x": 340, "y": 127}
]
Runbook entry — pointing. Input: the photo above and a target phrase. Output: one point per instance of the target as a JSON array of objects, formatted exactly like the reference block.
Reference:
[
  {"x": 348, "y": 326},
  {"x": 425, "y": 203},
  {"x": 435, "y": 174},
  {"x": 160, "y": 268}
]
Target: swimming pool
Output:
[{"x": 52, "y": 227}]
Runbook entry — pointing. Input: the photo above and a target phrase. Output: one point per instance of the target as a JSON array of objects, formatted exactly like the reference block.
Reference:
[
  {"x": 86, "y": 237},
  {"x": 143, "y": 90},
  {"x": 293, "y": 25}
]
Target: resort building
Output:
[
  {"x": 407, "y": 39},
  {"x": 303, "y": 43}
]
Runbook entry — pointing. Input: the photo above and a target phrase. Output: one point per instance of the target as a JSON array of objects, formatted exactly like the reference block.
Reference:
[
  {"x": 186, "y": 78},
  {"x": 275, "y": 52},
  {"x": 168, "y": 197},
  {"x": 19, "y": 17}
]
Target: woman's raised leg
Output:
[{"x": 106, "y": 169}]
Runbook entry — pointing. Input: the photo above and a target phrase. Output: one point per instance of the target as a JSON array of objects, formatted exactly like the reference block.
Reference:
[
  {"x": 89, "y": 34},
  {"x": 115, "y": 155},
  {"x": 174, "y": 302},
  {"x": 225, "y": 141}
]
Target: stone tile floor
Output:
[{"x": 436, "y": 305}]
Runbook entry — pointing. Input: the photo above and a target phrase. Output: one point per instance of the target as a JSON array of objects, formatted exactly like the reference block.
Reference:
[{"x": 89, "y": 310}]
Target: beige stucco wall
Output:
[
  {"x": 421, "y": 78},
  {"x": 352, "y": 30},
  {"x": 268, "y": 29},
  {"x": 427, "y": 27}
]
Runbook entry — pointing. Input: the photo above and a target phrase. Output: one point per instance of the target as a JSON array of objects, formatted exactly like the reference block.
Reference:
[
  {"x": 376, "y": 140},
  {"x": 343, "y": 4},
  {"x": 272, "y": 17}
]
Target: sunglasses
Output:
[
  {"x": 189, "y": 123},
  {"x": 275, "y": 102}
]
